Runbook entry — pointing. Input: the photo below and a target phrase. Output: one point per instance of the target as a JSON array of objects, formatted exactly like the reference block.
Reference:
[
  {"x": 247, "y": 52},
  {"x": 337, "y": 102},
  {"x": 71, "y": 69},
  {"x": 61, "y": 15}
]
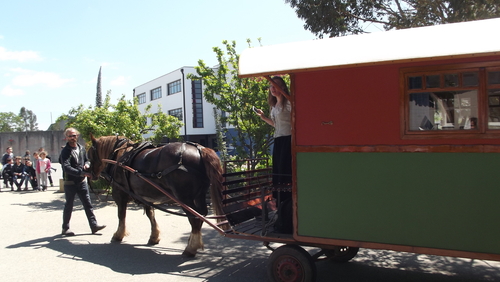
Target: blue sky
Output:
[{"x": 51, "y": 51}]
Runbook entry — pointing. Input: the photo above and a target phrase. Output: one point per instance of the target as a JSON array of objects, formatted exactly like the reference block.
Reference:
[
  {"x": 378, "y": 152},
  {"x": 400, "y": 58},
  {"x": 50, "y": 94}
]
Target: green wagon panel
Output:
[{"x": 435, "y": 200}]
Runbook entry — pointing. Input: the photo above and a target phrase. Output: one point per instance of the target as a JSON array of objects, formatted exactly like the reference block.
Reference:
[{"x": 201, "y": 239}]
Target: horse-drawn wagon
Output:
[
  {"x": 395, "y": 145},
  {"x": 395, "y": 140}
]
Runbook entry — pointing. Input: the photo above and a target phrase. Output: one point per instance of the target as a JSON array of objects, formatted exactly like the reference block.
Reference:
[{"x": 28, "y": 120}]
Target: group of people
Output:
[
  {"x": 75, "y": 167},
  {"x": 17, "y": 170},
  {"x": 75, "y": 164}
]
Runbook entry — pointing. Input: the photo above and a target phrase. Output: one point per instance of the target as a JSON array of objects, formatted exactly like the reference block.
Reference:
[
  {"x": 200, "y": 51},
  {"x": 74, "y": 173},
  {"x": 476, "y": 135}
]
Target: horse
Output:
[{"x": 184, "y": 170}]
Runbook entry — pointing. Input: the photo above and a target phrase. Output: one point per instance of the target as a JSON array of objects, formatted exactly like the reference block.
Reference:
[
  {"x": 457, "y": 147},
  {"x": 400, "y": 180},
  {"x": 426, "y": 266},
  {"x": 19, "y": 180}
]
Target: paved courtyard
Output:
[{"x": 32, "y": 249}]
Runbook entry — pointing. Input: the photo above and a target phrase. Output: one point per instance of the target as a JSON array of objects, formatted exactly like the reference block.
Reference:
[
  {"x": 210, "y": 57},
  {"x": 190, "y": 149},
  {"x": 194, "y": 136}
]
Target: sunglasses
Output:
[{"x": 72, "y": 136}]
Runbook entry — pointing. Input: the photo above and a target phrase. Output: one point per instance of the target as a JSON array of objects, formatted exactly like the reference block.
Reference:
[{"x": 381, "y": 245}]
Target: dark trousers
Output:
[
  {"x": 81, "y": 189},
  {"x": 30, "y": 180},
  {"x": 8, "y": 180},
  {"x": 282, "y": 164},
  {"x": 18, "y": 180}
]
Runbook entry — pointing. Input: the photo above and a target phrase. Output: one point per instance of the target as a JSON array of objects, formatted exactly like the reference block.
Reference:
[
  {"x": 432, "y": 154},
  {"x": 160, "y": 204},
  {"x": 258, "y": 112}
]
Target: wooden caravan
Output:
[{"x": 396, "y": 138}]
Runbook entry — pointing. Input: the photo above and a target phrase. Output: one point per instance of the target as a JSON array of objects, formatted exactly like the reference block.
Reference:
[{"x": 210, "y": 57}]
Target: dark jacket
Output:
[
  {"x": 7, "y": 172},
  {"x": 5, "y": 157},
  {"x": 17, "y": 170},
  {"x": 72, "y": 166},
  {"x": 30, "y": 170}
]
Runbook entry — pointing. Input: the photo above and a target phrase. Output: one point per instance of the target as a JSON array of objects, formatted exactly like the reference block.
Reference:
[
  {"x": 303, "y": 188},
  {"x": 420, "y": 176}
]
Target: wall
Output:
[
  {"x": 51, "y": 141},
  {"x": 359, "y": 106}
]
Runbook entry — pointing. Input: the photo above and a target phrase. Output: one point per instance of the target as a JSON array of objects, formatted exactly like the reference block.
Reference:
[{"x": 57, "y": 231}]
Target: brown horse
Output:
[{"x": 185, "y": 170}]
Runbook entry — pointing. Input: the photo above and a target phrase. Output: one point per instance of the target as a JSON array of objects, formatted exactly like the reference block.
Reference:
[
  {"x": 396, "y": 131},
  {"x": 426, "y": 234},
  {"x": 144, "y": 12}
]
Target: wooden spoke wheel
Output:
[{"x": 291, "y": 263}]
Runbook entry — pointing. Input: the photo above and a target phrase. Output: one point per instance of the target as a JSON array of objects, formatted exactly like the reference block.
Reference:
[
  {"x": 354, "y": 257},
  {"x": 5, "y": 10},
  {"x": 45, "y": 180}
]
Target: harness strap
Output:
[
  {"x": 168, "y": 170},
  {"x": 144, "y": 202},
  {"x": 106, "y": 173},
  {"x": 179, "y": 165},
  {"x": 184, "y": 206}
]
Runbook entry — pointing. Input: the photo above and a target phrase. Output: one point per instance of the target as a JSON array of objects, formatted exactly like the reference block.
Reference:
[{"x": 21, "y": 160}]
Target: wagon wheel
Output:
[
  {"x": 291, "y": 263},
  {"x": 341, "y": 253}
]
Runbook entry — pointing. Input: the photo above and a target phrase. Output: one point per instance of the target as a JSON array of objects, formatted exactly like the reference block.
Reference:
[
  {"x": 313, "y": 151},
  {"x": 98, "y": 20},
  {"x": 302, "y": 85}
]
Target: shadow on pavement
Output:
[
  {"x": 388, "y": 266},
  {"x": 246, "y": 261},
  {"x": 138, "y": 259},
  {"x": 58, "y": 204}
]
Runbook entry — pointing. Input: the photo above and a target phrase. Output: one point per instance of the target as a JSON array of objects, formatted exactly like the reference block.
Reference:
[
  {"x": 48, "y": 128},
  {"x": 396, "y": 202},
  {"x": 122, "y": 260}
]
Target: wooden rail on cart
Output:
[
  {"x": 245, "y": 197},
  {"x": 247, "y": 201}
]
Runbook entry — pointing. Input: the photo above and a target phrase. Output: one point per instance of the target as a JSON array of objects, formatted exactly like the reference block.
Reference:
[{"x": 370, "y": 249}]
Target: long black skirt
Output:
[{"x": 282, "y": 163}]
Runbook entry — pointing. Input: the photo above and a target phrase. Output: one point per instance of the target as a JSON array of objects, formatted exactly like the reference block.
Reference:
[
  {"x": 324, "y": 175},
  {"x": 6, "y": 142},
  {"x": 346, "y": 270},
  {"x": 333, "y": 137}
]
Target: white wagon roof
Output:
[{"x": 466, "y": 39}]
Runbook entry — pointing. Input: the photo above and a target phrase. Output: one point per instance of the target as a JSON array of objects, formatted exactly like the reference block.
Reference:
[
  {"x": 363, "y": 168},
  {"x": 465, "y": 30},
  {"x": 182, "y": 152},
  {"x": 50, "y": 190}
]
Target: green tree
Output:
[
  {"x": 220, "y": 132},
  {"x": 235, "y": 96},
  {"x": 98, "y": 96},
  {"x": 10, "y": 122},
  {"x": 124, "y": 118},
  {"x": 164, "y": 126},
  {"x": 29, "y": 120},
  {"x": 341, "y": 17}
]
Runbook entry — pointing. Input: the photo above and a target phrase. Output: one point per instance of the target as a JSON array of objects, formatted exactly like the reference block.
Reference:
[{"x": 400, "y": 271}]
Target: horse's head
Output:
[
  {"x": 95, "y": 158},
  {"x": 105, "y": 147}
]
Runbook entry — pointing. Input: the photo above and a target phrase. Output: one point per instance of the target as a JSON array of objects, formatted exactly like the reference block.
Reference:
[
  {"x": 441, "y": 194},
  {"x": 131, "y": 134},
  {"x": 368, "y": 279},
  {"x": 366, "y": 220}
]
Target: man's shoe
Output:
[
  {"x": 67, "y": 232},
  {"x": 97, "y": 228}
]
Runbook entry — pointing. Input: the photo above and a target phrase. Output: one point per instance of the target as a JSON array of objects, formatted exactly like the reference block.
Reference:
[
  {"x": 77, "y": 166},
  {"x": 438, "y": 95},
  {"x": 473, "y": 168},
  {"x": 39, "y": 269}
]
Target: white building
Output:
[{"x": 183, "y": 98}]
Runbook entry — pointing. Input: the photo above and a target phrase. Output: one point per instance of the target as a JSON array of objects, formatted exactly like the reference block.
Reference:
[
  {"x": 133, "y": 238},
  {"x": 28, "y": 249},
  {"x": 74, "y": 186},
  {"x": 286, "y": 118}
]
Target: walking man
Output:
[{"x": 74, "y": 163}]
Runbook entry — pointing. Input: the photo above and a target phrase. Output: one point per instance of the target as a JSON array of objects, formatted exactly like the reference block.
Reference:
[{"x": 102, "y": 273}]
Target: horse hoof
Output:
[
  {"x": 188, "y": 254},
  {"x": 153, "y": 242},
  {"x": 116, "y": 240}
]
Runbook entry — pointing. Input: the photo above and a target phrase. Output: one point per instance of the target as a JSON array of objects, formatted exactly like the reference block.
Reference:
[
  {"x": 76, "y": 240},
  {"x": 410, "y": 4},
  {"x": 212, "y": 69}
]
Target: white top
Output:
[
  {"x": 466, "y": 39},
  {"x": 282, "y": 119}
]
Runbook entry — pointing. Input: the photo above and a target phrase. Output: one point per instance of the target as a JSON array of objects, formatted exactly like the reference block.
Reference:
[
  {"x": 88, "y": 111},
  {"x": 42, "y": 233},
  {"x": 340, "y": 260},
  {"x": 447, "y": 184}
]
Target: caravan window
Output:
[{"x": 445, "y": 101}]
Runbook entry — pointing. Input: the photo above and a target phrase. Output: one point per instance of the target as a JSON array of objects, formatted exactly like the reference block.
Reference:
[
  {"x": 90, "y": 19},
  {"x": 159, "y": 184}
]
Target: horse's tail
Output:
[{"x": 214, "y": 172}]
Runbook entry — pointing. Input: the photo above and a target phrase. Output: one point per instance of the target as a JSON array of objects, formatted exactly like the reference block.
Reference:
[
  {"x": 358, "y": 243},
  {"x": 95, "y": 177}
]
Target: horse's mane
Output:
[{"x": 106, "y": 144}]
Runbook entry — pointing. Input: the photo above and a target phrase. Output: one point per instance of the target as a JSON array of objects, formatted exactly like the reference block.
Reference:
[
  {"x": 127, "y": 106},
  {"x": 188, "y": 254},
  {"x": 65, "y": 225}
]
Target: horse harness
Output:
[{"x": 126, "y": 159}]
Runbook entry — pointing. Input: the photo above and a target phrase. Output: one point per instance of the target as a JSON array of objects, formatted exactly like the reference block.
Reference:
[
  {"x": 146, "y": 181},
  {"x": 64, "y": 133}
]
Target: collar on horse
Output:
[{"x": 106, "y": 173}]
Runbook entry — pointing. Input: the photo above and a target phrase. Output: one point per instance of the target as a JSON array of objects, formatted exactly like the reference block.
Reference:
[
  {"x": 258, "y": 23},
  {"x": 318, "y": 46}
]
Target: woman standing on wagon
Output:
[{"x": 281, "y": 119}]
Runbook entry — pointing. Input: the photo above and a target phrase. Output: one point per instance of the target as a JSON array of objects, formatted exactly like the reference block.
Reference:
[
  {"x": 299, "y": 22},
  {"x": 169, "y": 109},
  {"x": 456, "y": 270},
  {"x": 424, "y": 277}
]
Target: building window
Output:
[
  {"x": 445, "y": 101},
  {"x": 141, "y": 98},
  {"x": 174, "y": 87},
  {"x": 156, "y": 93},
  {"x": 176, "y": 113},
  {"x": 197, "y": 97}
]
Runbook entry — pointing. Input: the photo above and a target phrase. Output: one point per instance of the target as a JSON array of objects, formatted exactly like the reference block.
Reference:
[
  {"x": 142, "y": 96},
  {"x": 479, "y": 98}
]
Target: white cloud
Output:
[
  {"x": 119, "y": 81},
  {"x": 20, "y": 56},
  {"x": 30, "y": 78},
  {"x": 11, "y": 92}
]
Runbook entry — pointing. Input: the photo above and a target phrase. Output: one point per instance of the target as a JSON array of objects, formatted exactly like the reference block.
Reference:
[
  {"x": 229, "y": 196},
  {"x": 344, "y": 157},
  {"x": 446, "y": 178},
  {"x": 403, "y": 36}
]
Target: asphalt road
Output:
[{"x": 32, "y": 249}]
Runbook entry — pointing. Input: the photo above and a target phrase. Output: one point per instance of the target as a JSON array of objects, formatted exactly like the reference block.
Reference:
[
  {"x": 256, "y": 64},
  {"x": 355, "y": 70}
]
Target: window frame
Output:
[
  {"x": 197, "y": 103},
  {"x": 141, "y": 98},
  {"x": 178, "y": 116},
  {"x": 153, "y": 94},
  {"x": 482, "y": 99},
  {"x": 174, "y": 85}
]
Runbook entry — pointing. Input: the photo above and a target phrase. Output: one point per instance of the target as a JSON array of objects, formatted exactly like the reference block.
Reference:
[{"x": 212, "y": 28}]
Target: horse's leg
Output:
[
  {"x": 121, "y": 200},
  {"x": 154, "y": 238},
  {"x": 195, "y": 241}
]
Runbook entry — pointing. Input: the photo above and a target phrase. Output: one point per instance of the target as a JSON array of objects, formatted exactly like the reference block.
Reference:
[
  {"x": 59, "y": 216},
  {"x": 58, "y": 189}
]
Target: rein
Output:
[{"x": 186, "y": 207}]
